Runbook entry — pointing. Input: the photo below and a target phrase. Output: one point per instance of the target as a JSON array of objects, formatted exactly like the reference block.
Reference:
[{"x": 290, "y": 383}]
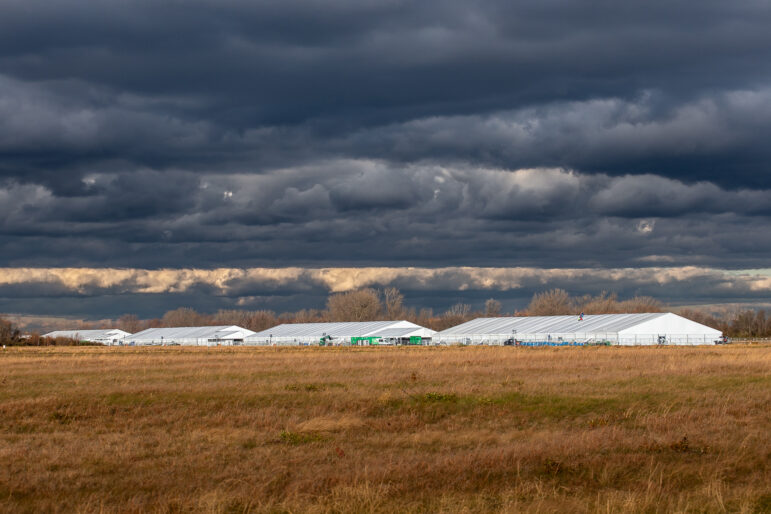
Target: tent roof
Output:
[
  {"x": 91, "y": 334},
  {"x": 214, "y": 332},
  {"x": 398, "y": 331},
  {"x": 552, "y": 324},
  {"x": 336, "y": 329}
]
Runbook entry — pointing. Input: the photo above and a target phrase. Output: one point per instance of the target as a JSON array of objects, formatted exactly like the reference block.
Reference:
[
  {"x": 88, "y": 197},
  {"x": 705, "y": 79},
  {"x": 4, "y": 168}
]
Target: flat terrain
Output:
[{"x": 385, "y": 429}]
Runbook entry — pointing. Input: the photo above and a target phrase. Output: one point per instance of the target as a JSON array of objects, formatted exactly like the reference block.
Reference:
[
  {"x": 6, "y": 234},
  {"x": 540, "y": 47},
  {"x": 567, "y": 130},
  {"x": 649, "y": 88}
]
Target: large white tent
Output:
[
  {"x": 618, "y": 329},
  {"x": 351, "y": 332},
  {"x": 105, "y": 336},
  {"x": 191, "y": 336}
]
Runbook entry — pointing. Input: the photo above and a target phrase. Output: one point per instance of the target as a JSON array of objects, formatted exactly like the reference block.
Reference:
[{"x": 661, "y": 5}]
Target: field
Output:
[{"x": 385, "y": 429}]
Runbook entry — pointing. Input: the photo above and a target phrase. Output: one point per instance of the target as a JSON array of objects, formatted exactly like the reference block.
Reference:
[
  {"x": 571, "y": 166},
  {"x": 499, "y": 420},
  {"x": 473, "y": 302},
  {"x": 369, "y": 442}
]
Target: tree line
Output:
[{"x": 388, "y": 304}]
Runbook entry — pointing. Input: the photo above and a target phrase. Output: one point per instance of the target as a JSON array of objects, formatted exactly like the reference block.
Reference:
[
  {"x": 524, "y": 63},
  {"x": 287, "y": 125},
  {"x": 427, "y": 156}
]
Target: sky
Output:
[{"x": 260, "y": 155}]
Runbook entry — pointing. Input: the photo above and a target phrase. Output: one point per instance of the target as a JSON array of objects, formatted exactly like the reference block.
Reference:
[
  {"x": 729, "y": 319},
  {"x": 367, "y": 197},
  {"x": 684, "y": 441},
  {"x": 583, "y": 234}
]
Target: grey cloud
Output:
[
  {"x": 375, "y": 187},
  {"x": 233, "y": 133},
  {"x": 247, "y": 86},
  {"x": 141, "y": 194},
  {"x": 647, "y": 195},
  {"x": 610, "y": 134},
  {"x": 303, "y": 214},
  {"x": 75, "y": 116}
]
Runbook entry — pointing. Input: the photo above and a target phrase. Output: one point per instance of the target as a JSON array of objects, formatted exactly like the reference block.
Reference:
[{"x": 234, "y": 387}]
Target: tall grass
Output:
[{"x": 386, "y": 429}]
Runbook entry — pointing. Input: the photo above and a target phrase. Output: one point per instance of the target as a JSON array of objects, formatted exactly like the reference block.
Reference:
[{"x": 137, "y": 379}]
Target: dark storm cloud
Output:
[
  {"x": 348, "y": 212},
  {"x": 717, "y": 137},
  {"x": 233, "y": 133},
  {"x": 667, "y": 87}
]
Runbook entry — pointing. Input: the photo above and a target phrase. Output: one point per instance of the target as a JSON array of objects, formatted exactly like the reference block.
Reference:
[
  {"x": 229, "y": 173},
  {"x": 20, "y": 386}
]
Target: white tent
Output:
[
  {"x": 618, "y": 329},
  {"x": 104, "y": 336},
  {"x": 352, "y": 332},
  {"x": 190, "y": 336}
]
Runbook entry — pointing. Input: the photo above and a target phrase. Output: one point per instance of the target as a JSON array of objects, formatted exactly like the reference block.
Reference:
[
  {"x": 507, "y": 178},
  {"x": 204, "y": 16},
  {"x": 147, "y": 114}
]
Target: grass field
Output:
[{"x": 386, "y": 429}]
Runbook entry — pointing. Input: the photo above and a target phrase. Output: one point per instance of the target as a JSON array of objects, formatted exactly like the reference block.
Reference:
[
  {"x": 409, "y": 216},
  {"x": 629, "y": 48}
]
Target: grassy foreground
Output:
[{"x": 385, "y": 429}]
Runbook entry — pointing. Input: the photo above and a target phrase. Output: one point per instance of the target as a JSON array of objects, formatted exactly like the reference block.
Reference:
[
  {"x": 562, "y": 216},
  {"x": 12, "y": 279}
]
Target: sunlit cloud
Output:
[{"x": 233, "y": 281}]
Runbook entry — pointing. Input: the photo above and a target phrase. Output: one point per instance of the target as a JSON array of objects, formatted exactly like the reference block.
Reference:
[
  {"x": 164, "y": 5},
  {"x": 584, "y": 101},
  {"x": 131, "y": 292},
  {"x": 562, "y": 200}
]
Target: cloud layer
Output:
[
  {"x": 368, "y": 212},
  {"x": 294, "y": 288},
  {"x": 383, "y": 134}
]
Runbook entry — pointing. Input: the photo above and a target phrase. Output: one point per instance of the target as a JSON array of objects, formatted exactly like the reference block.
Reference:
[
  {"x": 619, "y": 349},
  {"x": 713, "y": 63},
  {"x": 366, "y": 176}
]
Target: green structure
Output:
[{"x": 361, "y": 341}]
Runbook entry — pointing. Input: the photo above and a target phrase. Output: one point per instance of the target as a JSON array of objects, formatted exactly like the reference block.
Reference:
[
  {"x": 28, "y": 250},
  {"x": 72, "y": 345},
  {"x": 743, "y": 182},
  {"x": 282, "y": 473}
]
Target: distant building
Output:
[
  {"x": 107, "y": 336},
  {"x": 351, "y": 332},
  {"x": 615, "y": 329},
  {"x": 190, "y": 336}
]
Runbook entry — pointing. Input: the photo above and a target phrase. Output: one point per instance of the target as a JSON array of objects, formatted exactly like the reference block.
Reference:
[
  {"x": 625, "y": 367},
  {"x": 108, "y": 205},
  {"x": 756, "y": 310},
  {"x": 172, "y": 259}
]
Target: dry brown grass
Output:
[{"x": 385, "y": 429}]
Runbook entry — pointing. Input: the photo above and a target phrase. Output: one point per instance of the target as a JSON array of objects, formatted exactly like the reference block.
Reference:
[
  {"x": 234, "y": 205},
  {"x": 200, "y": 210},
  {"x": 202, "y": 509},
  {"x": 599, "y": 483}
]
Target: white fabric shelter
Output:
[
  {"x": 190, "y": 336},
  {"x": 618, "y": 329},
  {"x": 340, "y": 332},
  {"x": 104, "y": 336}
]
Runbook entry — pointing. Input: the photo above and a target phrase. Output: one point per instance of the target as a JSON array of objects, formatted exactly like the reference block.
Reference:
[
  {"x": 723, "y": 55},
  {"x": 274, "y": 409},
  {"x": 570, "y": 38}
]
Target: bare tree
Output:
[
  {"x": 762, "y": 325},
  {"x": 492, "y": 308},
  {"x": 184, "y": 317},
  {"x": 8, "y": 332},
  {"x": 455, "y": 315},
  {"x": 425, "y": 318},
  {"x": 304, "y": 316},
  {"x": 459, "y": 309},
  {"x": 260, "y": 320},
  {"x": 154, "y": 323},
  {"x": 750, "y": 323},
  {"x": 253, "y": 320},
  {"x": 130, "y": 323},
  {"x": 231, "y": 317},
  {"x": 361, "y": 305},
  {"x": 551, "y": 303},
  {"x": 641, "y": 304},
  {"x": 603, "y": 303},
  {"x": 699, "y": 316},
  {"x": 393, "y": 300}
]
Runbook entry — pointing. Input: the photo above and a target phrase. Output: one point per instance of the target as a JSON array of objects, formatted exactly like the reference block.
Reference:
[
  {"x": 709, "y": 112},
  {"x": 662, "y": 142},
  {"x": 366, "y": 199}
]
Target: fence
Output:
[{"x": 763, "y": 340}]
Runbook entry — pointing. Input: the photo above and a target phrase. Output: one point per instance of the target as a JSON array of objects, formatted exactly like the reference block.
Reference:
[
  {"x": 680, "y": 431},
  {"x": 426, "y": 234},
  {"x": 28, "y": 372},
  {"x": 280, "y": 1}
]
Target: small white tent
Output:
[
  {"x": 104, "y": 336},
  {"x": 191, "y": 336}
]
